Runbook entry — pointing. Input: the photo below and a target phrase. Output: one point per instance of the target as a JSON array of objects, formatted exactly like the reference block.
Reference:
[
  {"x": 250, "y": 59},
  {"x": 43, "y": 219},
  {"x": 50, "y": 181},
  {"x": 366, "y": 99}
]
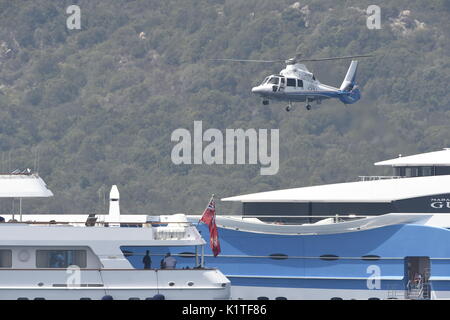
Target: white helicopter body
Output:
[{"x": 296, "y": 84}]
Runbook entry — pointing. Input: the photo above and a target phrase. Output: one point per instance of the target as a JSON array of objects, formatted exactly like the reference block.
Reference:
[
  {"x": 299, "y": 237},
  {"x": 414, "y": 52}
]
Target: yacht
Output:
[
  {"x": 87, "y": 258},
  {"x": 382, "y": 237}
]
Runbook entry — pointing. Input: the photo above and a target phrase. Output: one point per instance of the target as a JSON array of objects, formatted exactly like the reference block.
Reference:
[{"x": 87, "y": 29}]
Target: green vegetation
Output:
[{"x": 99, "y": 104}]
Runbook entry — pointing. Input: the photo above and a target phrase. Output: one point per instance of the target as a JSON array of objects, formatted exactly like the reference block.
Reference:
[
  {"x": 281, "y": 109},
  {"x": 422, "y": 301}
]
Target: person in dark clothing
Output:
[{"x": 147, "y": 261}]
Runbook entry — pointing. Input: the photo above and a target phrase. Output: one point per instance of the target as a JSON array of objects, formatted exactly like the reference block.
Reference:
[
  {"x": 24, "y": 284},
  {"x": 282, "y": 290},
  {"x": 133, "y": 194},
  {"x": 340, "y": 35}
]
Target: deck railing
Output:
[{"x": 374, "y": 178}]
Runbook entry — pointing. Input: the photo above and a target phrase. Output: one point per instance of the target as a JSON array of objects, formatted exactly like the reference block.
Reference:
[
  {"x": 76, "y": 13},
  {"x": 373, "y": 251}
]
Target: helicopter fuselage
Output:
[{"x": 296, "y": 84}]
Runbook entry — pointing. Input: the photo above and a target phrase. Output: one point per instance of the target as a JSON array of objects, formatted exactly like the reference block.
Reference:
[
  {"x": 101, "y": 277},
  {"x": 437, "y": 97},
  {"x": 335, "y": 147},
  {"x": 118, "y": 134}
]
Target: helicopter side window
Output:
[
  {"x": 291, "y": 82},
  {"x": 299, "y": 83},
  {"x": 282, "y": 81},
  {"x": 265, "y": 80}
]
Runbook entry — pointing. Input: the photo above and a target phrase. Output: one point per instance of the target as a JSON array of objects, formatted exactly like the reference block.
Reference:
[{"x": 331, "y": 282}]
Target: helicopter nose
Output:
[{"x": 258, "y": 90}]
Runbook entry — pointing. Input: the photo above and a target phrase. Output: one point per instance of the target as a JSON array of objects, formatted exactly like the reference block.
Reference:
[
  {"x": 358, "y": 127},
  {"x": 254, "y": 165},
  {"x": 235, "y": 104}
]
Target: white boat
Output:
[{"x": 103, "y": 260}]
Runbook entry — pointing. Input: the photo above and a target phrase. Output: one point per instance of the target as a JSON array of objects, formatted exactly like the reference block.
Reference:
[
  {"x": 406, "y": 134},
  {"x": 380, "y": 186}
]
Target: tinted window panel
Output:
[
  {"x": 427, "y": 171},
  {"x": 60, "y": 258},
  {"x": 329, "y": 257},
  {"x": 5, "y": 259},
  {"x": 291, "y": 82}
]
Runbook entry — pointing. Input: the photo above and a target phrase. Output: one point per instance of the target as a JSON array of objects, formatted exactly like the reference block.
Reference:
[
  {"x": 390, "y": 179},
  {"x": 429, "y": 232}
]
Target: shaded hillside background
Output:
[{"x": 98, "y": 105}]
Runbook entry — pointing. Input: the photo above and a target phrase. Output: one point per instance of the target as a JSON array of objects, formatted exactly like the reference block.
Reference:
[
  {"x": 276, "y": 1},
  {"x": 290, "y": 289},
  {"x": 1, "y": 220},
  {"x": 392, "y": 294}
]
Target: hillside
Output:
[{"x": 94, "y": 107}]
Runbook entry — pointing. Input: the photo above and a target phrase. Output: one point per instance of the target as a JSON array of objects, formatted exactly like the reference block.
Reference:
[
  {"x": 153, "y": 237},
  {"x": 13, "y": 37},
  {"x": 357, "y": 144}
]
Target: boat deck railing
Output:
[
  {"x": 302, "y": 219},
  {"x": 374, "y": 178},
  {"x": 101, "y": 223}
]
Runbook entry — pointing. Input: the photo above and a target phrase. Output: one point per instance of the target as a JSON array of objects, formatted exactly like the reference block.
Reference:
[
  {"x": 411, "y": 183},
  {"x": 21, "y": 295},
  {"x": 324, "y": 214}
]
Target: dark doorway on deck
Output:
[{"x": 417, "y": 276}]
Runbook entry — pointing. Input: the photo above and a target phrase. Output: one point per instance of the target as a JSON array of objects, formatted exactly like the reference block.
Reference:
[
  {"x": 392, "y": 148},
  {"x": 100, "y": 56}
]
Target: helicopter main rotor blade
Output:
[
  {"x": 335, "y": 58},
  {"x": 245, "y": 60}
]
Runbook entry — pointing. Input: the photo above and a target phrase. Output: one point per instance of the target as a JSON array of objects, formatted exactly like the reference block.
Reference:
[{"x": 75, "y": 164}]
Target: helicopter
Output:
[{"x": 295, "y": 83}]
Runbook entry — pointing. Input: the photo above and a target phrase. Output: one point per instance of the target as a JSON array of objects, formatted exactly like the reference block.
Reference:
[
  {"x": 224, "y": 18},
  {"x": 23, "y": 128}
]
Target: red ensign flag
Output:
[{"x": 209, "y": 218}]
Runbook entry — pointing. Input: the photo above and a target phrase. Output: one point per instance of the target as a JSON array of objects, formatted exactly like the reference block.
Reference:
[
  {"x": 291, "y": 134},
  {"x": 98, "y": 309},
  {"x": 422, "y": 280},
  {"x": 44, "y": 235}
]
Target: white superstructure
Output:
[
  {"x": 55, "y": 257},
  {"x": 435, "y": 158}
]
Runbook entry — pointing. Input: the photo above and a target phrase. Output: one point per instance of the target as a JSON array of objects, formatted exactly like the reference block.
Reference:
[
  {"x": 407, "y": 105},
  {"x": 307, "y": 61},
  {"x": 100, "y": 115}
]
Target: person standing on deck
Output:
[{"x": 147, "y": 261}]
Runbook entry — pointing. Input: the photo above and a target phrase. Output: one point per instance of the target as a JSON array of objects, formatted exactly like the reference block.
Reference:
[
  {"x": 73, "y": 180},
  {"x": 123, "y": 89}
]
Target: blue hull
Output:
[{"x": 336, "y": 263}]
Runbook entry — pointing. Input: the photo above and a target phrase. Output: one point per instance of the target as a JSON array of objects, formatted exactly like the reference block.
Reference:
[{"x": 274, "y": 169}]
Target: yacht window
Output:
[
  {"x": 291, "y": 82},
  {"x": 371, "y": 257},
  {"x": 408, "y": 172},
  {"x": 60, "y": 258},
  {"x": 299, "y": 83},
  {"x": 186, "y": 254},
  {"x": 278, "y": 256},
  {"x": 411, "y": 172},
  {"x": 427, "y": 171},
  {"x": 329, "y": 257},
  {"x": 5, "y": 259}
]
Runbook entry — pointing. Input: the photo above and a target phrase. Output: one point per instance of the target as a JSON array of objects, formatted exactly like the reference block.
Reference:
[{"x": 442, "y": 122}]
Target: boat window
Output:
[
  {"x": 282, "y": 80},
  {"x": 278, "y": 256},
  {"x": 411, "y": 172},
  {"x": 60, "y": 258},
  {"x": 329, "y": 257},
  {"x": 427, "y": 171},
  {"x": 370, "y": 257},
  {"x": 408, "y": 172},
  {"x": 5, "y": 259},
  {"x": 291, "y": 82},
  {"x": 314, "y": 78},
  {"x": 273, "y": 80},
  {"x": 186, "y": 255},
  {"x": 299, "y": 83},
  {"x": 154, "y": 256}
]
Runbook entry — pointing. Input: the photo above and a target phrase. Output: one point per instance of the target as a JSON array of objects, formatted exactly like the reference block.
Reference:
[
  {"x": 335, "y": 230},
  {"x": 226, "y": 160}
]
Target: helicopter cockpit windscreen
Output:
[
  {"x": 274, "y": 80},
  {"x": 265, "y": 80}
]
